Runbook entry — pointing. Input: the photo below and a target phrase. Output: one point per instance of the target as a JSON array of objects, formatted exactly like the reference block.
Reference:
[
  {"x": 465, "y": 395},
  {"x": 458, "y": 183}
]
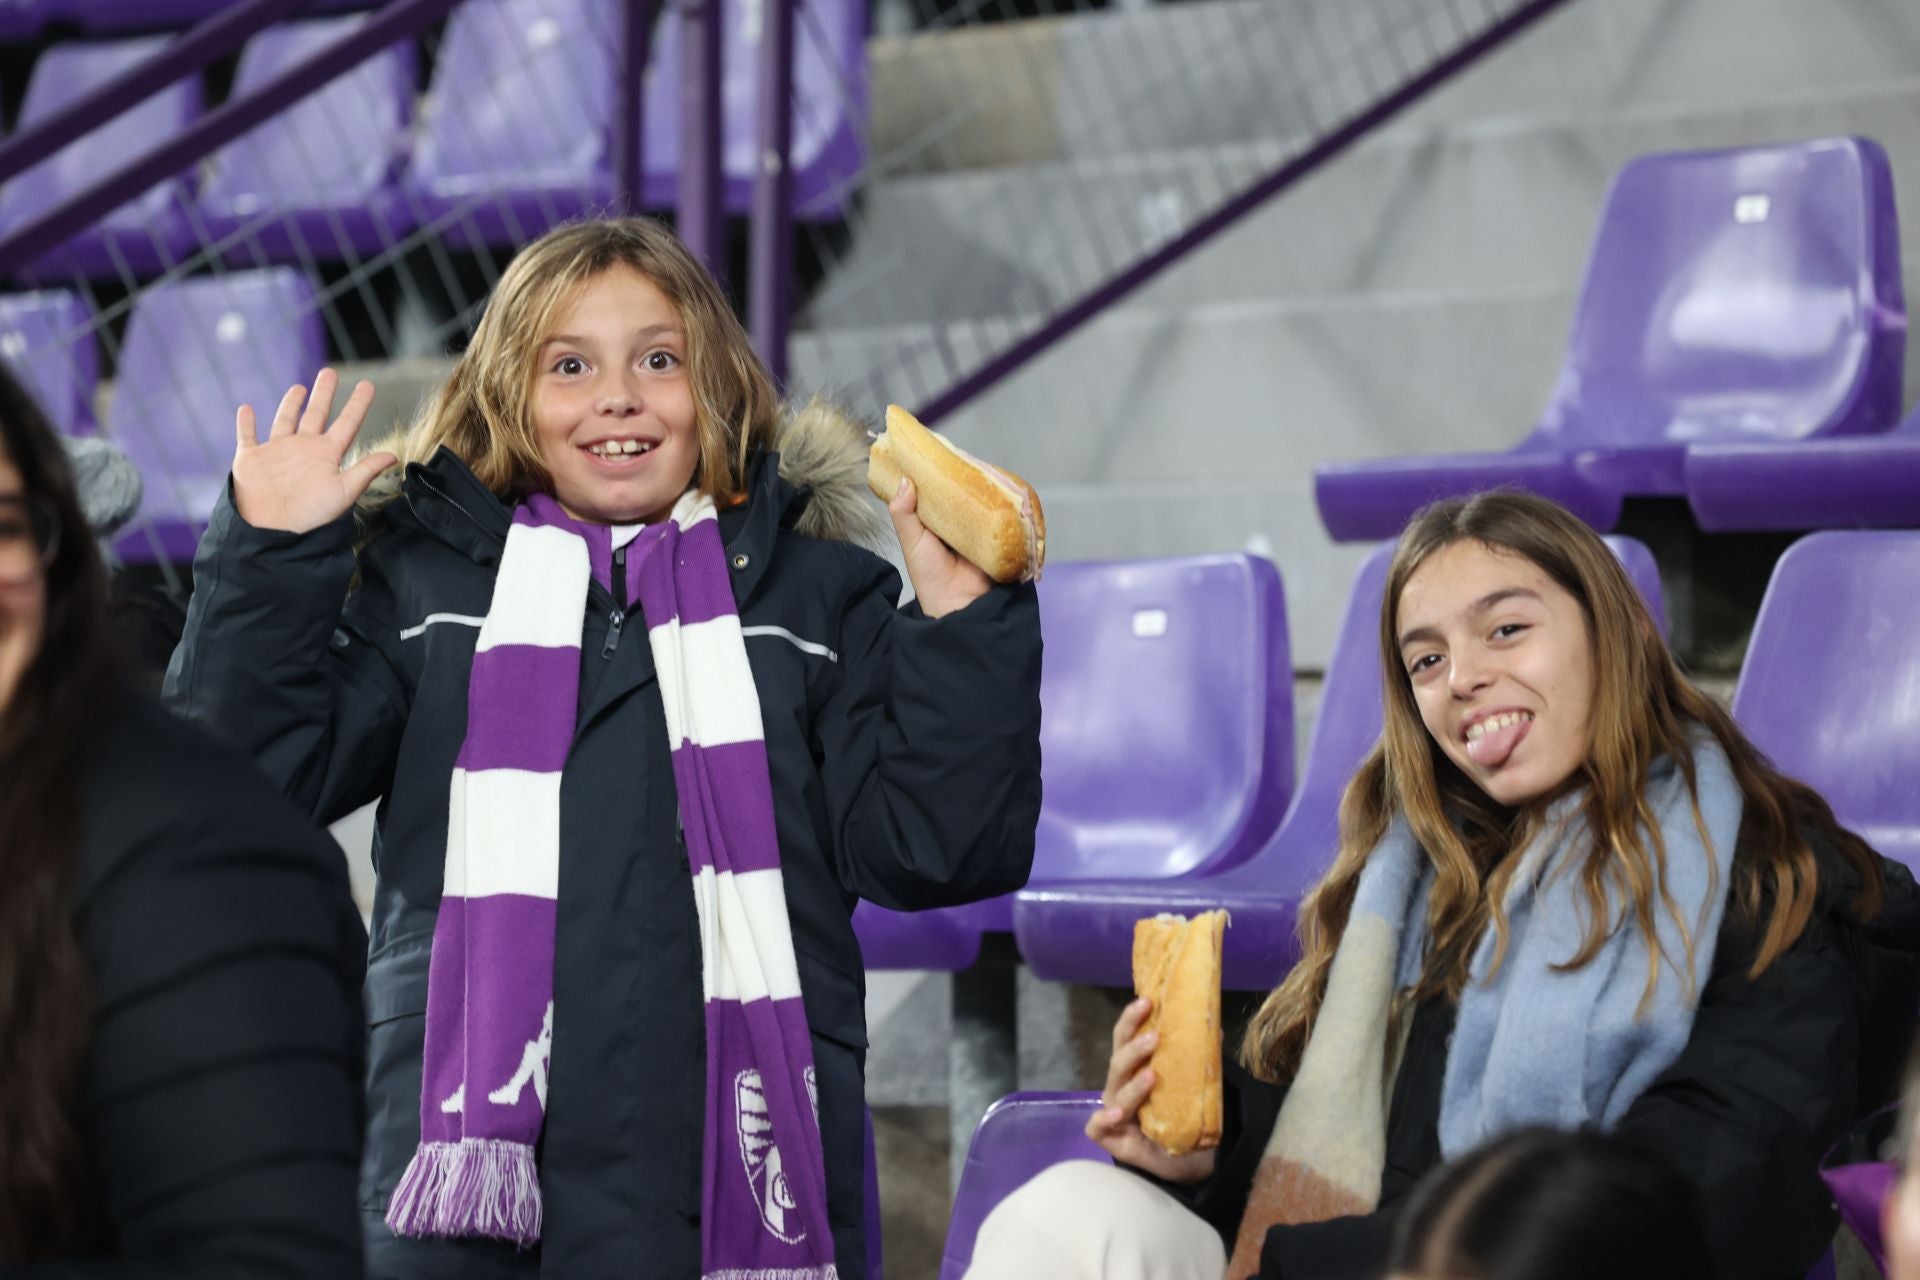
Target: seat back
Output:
[
  {"x": 333, "y": 146},
  {"x": 1831, "y": 685},
  {"x": 1166, "y": 715},
  {"x": 46, "y": 338},
  {"x": 1020, "y": 1135},
  {"x": 1751, "y": 294},
  {"x": 195, "y": 350},
  {"x": 62, "y": 74},
  {"x": 522, "y": 99},
  {"x": 829, "y": 103}
]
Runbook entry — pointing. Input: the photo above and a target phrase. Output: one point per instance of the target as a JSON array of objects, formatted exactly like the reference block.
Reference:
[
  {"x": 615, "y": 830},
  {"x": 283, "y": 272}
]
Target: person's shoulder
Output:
[{"x": 158, "y": 789}]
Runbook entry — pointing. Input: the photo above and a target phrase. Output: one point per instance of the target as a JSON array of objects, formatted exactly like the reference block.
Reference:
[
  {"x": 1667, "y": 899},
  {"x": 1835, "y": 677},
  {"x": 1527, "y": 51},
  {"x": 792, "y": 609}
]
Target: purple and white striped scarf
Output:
[{"x": 490, "y": 983}]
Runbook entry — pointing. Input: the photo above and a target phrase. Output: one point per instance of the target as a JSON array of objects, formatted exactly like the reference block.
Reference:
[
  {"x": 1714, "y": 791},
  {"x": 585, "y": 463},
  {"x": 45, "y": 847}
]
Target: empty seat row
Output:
[
  {"x": 1830, "y": 691},
  {"x": 515, "y": 133},
  {"x": 1739, "y": 341},
  {"x": 193, "y": 349}
]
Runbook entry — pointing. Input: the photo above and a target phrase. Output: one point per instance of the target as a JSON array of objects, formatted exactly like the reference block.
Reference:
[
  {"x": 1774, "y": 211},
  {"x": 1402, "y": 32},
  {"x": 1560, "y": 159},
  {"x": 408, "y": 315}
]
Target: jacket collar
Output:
[{"x": 445, "y": 500}]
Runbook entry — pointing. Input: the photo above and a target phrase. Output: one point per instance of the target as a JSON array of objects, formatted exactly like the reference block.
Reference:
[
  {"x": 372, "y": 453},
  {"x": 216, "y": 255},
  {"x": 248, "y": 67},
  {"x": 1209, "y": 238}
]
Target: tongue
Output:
[{"x": 1492, "y": 751}]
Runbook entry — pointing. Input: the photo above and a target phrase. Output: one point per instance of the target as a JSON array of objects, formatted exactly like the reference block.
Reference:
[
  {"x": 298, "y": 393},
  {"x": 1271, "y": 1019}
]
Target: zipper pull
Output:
[{"x": 614, "y": 621}]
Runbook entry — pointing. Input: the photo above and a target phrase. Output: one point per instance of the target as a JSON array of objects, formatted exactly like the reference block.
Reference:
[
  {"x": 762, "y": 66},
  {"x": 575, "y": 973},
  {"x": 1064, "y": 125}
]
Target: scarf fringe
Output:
[
  {"x": 824, "y": 1272},
  {"x": 474, "y": 1187}
]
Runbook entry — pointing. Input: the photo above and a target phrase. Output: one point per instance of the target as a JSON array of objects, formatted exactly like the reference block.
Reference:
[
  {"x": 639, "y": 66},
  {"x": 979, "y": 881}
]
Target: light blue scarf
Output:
[{"x": 1532, "y": 1044}]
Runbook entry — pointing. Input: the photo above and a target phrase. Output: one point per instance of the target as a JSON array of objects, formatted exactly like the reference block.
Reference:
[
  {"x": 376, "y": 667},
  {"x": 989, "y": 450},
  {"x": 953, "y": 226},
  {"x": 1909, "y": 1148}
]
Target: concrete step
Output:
[
  {"x": 1456, "y": 208},
  {"x": 1226, "y": 71}
]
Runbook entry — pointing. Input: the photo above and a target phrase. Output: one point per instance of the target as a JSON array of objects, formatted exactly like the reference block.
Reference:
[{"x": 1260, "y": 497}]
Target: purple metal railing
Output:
[{"x": 700, "y": 194}]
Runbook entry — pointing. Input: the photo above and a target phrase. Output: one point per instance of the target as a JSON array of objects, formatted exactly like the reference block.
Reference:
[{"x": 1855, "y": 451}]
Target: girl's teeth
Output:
[{"x": 1493, "y": 723}]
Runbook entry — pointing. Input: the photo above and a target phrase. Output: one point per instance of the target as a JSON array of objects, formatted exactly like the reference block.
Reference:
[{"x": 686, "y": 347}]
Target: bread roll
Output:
[
  {"x": 988, "y": 516},
  {"x": 1176, "y": 964}
]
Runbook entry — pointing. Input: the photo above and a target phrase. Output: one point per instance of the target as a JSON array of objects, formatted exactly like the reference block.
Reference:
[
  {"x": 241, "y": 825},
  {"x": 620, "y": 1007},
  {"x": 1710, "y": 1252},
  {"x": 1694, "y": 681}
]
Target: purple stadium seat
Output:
[
  {"x": 1862, "y": 482},
  {"x": 195, "y": 350},
  {"x": 47, "y": 339},
  {"x": 516, "y": 130},
  {"x": 147, "y": 234},
  {"x": 525, "y": 138},
  {"x": 1831, "y": 685},
  {"x": 1019, "y": 1136},
  {"x": 1166, "y": 737},
  {"x": 1732, "y": 296},
  {"x": 319, "y": 179},
  {"x": 830, "y": 103},
  {"x": 1024, "y": 1133},
  {"x": 158, "y": 15},
  {"x": 1083, "y": 932}
]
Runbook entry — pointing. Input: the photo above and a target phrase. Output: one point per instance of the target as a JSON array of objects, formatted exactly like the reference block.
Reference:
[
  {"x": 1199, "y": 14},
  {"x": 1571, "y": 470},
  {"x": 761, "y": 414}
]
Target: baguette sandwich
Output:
[
  {"x": 988, "y": 516},
  {"x": 1176, "y": 964}
]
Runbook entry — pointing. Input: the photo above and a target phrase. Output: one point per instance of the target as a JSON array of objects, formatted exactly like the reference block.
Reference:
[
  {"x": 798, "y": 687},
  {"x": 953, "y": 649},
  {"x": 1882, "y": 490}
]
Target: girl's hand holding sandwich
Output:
[
  {"x": 1116, "y": 1125},
  {"x": 942, "y": 580}
]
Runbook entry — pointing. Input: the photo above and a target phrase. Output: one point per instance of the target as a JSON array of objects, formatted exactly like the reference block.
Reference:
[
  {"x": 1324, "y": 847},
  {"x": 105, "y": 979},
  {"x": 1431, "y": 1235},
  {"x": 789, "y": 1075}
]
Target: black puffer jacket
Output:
[
  {"x": 905, "y": 761},
  {"x": 1776, "y": 1069}
]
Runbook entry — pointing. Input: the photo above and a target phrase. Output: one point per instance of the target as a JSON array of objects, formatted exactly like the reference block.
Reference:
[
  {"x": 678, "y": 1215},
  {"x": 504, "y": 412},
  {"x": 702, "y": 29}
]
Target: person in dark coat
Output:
[
  {"x": 901, "y": 749},
  {"x": 1568, "y": 892},
  {"x": 180, "y": 959}
]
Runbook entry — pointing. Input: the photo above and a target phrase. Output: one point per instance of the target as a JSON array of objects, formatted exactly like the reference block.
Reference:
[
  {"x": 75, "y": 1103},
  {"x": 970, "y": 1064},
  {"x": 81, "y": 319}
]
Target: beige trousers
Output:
[{"x": 1083, "y": 1220}]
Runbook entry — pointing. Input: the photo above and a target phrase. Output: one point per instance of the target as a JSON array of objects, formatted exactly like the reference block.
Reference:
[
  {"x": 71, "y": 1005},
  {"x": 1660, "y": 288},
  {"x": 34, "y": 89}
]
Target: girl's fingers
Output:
[
  {"x": 288, "y": 413},
  {"x": 1135, "y": 1092},
  {"x": 245, "y": 429},
  {"x": 1128, "y": 1024},
  {"x": 347, "y": 425},
  {"x": 314, "y": 420},
  {"x": 363, "y": 473}
]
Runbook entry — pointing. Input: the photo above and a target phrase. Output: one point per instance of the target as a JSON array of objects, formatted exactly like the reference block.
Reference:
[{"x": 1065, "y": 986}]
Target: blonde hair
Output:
[
  {"x": 481, "y": 412},
  {"x": 1643, "y": 707}
]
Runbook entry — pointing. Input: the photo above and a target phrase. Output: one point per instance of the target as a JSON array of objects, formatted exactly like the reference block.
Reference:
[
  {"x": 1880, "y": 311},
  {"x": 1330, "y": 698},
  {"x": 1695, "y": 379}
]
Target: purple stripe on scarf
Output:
[
  {"x": 516, "y": 715},
  {"x": 699, "y": 597},
  {"x": 761, "y": 1122},
  {"x": 443, "y": 1062},
  {"x": 726, "y": 803}
]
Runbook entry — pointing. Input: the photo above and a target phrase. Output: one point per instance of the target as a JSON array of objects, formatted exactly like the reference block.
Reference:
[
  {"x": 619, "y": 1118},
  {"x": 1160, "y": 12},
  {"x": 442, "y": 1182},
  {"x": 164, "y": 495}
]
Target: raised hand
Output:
[
  {"x": 942, "y": 580},
  {"x": 1116, "y": 1125},
  {"x": 292, "y": 480}
]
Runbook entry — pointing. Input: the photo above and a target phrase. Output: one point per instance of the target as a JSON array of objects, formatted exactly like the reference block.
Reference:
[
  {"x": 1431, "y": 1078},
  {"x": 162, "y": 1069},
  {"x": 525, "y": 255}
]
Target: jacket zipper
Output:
[{"x": 617, "y": 618}]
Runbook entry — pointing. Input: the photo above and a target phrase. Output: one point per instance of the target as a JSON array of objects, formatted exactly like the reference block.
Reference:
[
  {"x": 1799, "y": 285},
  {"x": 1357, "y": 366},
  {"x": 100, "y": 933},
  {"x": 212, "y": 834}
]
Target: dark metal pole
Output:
[
  {"x": 770, "y": 304},
  {"x": 1342, "y": 137},
  {"x": 630, "y": 133},
  {"x": 398, "y": 21},
  {"x": 214, "y": 38},
  {"x": 701, "y": 133}
]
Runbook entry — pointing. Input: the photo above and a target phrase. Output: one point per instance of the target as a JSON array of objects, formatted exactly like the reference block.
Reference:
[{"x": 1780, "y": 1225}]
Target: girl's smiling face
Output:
[
  {"x": 612, "y": 402},
  {"x": 1500, "y": 663},
  {"x": 23, "y": 586}
]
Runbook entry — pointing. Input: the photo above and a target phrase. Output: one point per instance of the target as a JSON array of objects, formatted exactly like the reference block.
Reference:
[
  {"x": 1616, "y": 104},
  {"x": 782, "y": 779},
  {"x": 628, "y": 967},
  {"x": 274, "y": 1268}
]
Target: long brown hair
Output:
[
  {"x": 1643, "y": 708},
  {"x": 482, "y": 412},
  {"x": 45, "y": 729}
]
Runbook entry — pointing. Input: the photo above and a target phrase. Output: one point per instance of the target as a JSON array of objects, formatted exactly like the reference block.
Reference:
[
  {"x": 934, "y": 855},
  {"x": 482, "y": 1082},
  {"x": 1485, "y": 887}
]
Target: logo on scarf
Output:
[
  {"x": 766, "y": 1174},
  {"x": 534, "y": 1060}
]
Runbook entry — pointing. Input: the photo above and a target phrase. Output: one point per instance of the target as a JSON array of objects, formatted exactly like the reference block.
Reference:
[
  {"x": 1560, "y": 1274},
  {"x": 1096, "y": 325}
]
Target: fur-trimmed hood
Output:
[{"x": 823, "y": 451}]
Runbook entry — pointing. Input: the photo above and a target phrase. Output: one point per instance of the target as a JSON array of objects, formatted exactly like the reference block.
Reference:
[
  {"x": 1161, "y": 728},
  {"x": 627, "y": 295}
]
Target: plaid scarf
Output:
[
  {"x": 1532, "y": 1044},
  {"x": 490, "y": 982}
]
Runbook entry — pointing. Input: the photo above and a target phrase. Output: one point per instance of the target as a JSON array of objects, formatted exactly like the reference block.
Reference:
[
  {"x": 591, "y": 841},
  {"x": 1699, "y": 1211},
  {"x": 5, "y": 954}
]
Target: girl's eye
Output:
[
  {"x": 1424, "y": 662},
  {"x": 661, "y": 361},
  {"x": 1509, "y": 631},
  {"x": 570, "y": 366}
]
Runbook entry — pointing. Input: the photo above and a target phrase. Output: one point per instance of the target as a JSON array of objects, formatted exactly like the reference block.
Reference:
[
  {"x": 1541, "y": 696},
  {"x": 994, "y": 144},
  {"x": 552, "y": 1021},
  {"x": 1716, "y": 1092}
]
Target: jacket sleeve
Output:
[
  {"x": 929, "y": 746},
  {"x": 221, "y": 1103},
  {"x": 279, "y": 659},
  {"x": 1763, "y": 1088}
]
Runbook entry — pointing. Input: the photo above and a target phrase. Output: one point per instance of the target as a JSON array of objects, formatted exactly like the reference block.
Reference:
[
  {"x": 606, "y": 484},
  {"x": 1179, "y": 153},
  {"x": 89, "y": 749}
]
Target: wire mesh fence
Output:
[{"x": 961, "y": 179}]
